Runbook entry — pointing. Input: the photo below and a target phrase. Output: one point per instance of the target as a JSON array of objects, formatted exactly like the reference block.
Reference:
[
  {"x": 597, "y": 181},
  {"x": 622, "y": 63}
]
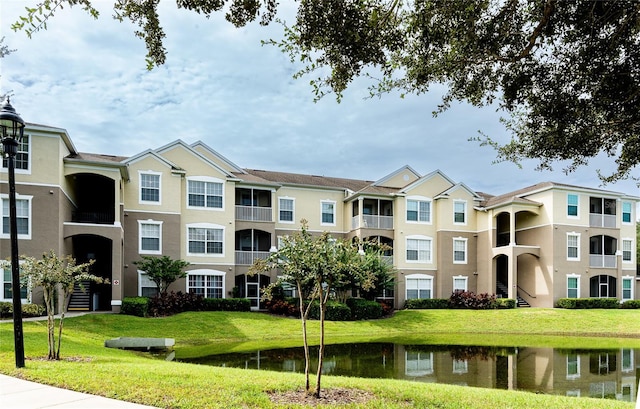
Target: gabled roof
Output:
[
  {"x": 182, "y": 144},
  {"x": 236, "y": 168},
  {"x": 155, "y": 155},
  {"x": 63, "y": 132},
  {"x": 308, "y": 180},
  {"x": 457, "y": 186},
  {"x": 94, "y": 159},
  {"x": 381, "y": 182},
  {"x": 426, "y": 178}
]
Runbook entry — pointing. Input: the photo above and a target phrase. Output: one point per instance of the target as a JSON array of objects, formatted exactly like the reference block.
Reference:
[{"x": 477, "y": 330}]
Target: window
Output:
[
  {"x": 602, "y": 286},
  {"x": 418, "y": 363},
  {"x": 419, "y": 286},
  {"x": 22, "y": 157},
  {"x": 572, "y": 205},
  {"x": 419, "y": 210},
  {"x": 23, "y": 217},
  {"x": 573, "y": 286},
  {"x": 459, "y": 283},
  {"x": 207, "y": 283},
  {"x": 7, "y": 293},
  {"x": 419, "y": 249},
  {"x": 146, "y": 287},
  {"x": 205, "y": 194},
  {"x": 150, "y": 237},
  {"x": 460, "y": 251},
  {"x": 205, "y": 240},
  {"x": 150, "y": 187},
  {"x": 628, "y": 364},
  {"x": 573, "y": 366},
  {"x": 286, "y": 210},
  {"x": 328, "y": 212},
  {"x": 627, "y": 245},
  {"x": 573, "y": 246},
  {"x": 460, "y": 366},
  {"x": 460, "y": 212},
  {"x": 626, "y": 212},
  {"x": 627, "y": 288}
]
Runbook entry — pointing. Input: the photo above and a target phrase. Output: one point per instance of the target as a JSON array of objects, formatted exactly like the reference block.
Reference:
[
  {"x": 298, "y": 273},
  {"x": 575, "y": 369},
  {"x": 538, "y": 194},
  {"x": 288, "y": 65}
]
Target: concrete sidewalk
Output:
[{"x": 20, "y": 394}]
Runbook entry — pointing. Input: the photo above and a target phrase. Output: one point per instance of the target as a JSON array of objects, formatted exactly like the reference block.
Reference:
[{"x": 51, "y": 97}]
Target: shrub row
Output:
[
  {"x": 28, "y": 310},
  {"x": 174, "y": 303},
  {"x": 588, "y": 303},
  {"x": 354, "y": 309},
  {"x": 462, "y": 300}
]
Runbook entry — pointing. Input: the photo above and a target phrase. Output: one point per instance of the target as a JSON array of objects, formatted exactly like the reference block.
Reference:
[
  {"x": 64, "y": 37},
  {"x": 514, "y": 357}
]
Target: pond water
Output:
[{"x": 610, "y": 374}]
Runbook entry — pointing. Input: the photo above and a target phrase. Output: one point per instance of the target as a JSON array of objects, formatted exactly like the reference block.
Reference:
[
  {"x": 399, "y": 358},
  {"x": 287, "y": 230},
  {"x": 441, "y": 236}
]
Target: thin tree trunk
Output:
[
  {"x": 64, "y": 309},
  {"x": 303, "y": 318},
  {"x": 323, "y": 305},
  {"x": 48, "y": 301}
]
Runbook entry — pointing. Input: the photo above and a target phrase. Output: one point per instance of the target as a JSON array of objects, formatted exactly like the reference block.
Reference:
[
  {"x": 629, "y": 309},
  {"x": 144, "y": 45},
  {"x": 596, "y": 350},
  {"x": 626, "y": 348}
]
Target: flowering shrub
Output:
[{"x": 470, "y": 300}]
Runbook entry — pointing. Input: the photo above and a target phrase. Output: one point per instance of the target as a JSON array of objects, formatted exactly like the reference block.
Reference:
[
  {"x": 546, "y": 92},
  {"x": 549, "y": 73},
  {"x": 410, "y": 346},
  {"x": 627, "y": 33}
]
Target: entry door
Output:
[{"x": 253, "y": 292}]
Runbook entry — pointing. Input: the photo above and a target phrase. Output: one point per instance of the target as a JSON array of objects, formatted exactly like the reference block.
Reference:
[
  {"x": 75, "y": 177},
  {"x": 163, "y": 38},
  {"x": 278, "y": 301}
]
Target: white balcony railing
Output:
[
  {"x": 602, "y": 220},
  {"x": 246, "y": 258},
  {"x": 253, "y": 213},
  {"x": 602, "y": 261},
  {"x": 372, "y": 221}
]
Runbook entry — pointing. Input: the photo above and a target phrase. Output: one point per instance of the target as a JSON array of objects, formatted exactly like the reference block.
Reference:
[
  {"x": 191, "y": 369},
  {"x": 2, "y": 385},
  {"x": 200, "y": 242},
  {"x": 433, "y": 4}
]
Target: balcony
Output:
[
  {"x": 94, "y": 217},
  {"x": 602, "y": 261},
  {"x": 602, "y": 220},
  {"x": 246, "y": 258},
  {"x": 370, "y": 221},
  {"x": 254, "y": 213}
]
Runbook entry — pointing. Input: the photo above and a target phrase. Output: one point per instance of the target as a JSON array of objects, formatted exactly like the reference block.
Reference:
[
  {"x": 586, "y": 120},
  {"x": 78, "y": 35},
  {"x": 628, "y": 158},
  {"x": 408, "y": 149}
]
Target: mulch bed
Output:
[{"x": 335, "y": 396}]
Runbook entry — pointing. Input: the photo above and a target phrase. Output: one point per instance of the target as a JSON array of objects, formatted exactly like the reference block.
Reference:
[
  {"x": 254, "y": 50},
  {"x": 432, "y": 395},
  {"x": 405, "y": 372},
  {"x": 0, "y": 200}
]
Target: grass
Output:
[{"x": 139, "y": 378}]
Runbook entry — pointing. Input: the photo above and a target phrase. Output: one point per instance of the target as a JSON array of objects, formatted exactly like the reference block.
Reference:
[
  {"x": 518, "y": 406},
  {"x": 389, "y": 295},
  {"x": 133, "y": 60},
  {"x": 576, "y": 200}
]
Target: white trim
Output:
[
  {"x": 293, "y": 210},
  {"x": 149, "y": 222},
  {"x": 6, "y": 265},
  {"x": 463, "y": 240},
  {"x": 577, "y": 216},
  {"x": 429, "y": 260},
  {"x": 577, "y": 374},
  {"x": 461, "y": 277},
  {"x": 152, "y": 173},
  {"x": 630, "y": 222},
  {"x": 418, "y": 199},
  {"x": 464, "y": 212},
  {"x": 205, "y": 226},
  {"x": 418, "y": 277},
  {"x": 628, "y": 240},
  {"x": 207, "y": 272},
  {"x": 335, "y": 212},
  {"x": 206, "y": 179},
  {"x": 26, "y": 171},
  {"x": 29, "y": 200},
  {"x": 140, "y": 278},
  {"x": 577, "y": 258},
  {"x": 622, "y": 279},
  {"x": 577, "y": 277}
]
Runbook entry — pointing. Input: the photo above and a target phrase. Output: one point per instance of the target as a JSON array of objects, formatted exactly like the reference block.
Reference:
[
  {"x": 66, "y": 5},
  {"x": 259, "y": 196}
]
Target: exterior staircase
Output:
[
  {"x": 503, "y": 291},
  {"x": 81, "y": 297}
]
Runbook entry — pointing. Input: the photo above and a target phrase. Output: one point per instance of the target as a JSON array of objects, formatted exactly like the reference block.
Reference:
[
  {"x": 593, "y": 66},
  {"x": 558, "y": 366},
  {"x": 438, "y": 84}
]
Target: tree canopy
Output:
[
  {"x": 163, "y": 271},
  {"x": 565, "y": 74}
]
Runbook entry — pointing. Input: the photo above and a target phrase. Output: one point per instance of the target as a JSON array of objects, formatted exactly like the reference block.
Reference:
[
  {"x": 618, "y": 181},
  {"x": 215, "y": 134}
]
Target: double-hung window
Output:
[
  {"x": 419, "y": 286},
  {"x": 573, "y": 286},
  {"x": 419, "y": 210},
  {"x": 328, "y": 212},
  {"x": 205, "y": 194},
  {"x": 23, "y": 217},
  {"x": 626, "y": 212},
  {"x": 627, "y": 246},
  {"x": 146, "y": 287},
  {"x": 22, "y": 157},
  {"x": 572, "y": 205},
  {"x": 150, "y": 237},
  {"x": 149, "y": 188},
  {"x": 206, "y": 240},
  {"x": 7, "y": 288},
  {"x": 459, "y": 212},
  {"x": 627, "y": 288},
  {"x": 419, "y": 249},
  {"x": 573, "y": 246},
  {"x": 460, "y": 283},
  {"x": 460, "y": 251},
  {"x": 207, "y": 283},
  {"x": 286, "y": 206}
]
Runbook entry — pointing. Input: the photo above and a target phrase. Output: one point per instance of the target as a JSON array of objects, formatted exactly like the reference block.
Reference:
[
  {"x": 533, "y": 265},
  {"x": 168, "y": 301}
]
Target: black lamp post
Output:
[{"x": 11, "y": 132}]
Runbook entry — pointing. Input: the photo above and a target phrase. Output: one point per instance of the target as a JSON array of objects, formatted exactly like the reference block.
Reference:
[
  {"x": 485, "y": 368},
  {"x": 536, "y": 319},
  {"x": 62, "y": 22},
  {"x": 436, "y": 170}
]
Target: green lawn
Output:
[{"x": 138, "y": 378}]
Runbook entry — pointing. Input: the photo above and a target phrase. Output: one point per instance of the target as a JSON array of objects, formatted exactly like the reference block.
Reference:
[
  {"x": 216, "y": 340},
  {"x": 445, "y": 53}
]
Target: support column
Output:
[
  {"x": 512, "y": 275},
  {"x": 512, "y": 228}
]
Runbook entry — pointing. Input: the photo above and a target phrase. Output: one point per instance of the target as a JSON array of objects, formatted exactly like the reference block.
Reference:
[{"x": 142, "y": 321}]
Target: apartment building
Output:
[{"x": 187, "y": 201}]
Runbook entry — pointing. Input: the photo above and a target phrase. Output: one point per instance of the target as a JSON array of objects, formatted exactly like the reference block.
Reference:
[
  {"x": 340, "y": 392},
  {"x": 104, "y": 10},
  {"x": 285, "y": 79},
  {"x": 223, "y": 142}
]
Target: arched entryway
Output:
[
  {"x": 96, "y": 297},
  {"x": 250, "y": 287}
]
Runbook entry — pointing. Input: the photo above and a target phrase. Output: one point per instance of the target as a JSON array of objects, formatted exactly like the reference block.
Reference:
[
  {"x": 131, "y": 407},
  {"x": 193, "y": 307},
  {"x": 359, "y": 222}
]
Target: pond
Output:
[{"x": 610, "y": 373}]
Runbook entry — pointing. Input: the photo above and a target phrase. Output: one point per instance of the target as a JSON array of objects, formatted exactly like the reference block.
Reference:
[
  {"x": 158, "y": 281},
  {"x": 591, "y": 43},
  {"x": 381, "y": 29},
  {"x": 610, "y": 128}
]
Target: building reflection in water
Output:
[{"x": 610, "y": 374}]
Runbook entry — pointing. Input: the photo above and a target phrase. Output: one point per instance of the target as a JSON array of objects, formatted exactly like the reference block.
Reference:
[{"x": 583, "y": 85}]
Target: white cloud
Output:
[{"x": 221, "y": 86}]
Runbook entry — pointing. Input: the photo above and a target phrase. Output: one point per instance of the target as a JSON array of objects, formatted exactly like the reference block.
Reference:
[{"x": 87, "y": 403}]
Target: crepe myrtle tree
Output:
[
  {"x": 316, "y": 266},
  {"x": 163, "y": 271},
  {"x": 53, "y": 273},
  {"x": 565, "y": 74}
]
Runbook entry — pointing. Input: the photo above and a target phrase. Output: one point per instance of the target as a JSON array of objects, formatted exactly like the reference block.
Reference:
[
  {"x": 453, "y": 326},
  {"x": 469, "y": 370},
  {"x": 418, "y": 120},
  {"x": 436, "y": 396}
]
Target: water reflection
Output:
[{"x": 610, "y": 374}]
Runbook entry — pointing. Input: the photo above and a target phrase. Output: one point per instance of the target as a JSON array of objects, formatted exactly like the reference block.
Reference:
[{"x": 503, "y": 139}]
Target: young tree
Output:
[
  {"x": 533, "y": 59},
  {"x": 162, "y": 270},
  {"x": 53, "y": 274},
  {"x": 316, "y": 266}
]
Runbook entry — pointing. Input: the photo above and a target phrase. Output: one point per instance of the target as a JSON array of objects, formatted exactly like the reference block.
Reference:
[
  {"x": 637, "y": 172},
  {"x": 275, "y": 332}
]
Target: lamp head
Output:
[{"x": 11, "y": 125}]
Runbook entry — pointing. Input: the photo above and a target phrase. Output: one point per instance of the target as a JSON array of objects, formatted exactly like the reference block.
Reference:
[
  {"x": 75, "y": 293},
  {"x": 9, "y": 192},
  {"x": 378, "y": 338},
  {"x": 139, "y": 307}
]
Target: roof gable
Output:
[
  {"x": 398, "y": 178},
  {"x": 179, "y": 144},
  {"x": 216, "y": 157}
]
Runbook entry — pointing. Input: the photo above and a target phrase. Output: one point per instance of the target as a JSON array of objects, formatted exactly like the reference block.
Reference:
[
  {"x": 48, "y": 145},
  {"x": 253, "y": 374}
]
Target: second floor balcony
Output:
[
  {"x": 254, "y": 213},
  {"x": 254, "y": 205},
  {"x": 371, "y": 221}
]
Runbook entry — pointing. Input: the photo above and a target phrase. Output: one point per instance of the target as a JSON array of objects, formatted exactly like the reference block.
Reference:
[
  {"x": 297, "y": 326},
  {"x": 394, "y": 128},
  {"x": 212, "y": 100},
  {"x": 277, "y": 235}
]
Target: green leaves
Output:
[{"x": 162, "y": 270}]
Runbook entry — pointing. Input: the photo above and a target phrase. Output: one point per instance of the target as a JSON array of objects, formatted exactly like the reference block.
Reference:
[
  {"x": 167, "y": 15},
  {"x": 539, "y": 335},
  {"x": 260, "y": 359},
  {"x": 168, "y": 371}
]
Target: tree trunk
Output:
[
  {"x": 48, "y": 301},
  {"x": 64, "y": 309},
  {"x": 303, "y": 317},
  {"x": 323, "y": 305}
]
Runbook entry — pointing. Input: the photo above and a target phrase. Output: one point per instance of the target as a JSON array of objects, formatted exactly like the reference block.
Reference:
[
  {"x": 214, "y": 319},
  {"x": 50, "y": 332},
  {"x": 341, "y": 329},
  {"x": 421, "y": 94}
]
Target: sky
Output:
[{"x": 221, "y": 86}]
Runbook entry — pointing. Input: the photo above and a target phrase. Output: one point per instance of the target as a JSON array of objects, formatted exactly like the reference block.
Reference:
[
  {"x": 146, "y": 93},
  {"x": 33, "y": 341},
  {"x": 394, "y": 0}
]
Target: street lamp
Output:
[{"x": 11, "y": 132}]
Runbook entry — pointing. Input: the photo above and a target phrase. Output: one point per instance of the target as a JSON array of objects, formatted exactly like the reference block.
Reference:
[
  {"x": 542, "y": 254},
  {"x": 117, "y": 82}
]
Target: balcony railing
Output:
[
  {"x": 603, "y": 261},
  {"x": 253, "y": 213},
  {"x": 602, "y": 220},
  {"x": 93, "y": 217},
  {"x": 246, "y": 258},
  {"x": 372, "y": 221}
]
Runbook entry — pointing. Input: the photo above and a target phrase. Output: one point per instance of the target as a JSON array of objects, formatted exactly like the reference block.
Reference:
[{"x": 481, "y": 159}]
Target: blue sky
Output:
[{"x": 219, "y": 85}]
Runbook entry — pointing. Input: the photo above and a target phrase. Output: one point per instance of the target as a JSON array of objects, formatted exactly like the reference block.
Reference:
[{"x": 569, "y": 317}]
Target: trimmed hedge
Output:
[
  {"x": 335, "y": 311},
  {"x": 226, "y": 304},
  {"x": 631, "y": 304},
  {"x": 28, "y": 310},
  {"x": 138, "y": 306},
  {"x": 588, "y": 303},
  {"x": 362, "y": 309},
  {"x": 505, "y": 303},
  {"x": 427, "y": 304}
]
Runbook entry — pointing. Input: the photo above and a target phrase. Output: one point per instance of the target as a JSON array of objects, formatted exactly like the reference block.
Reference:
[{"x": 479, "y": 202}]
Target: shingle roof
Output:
[
  {"x": 308, "y": 180},
  {"x": 96, "y": 157}
]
